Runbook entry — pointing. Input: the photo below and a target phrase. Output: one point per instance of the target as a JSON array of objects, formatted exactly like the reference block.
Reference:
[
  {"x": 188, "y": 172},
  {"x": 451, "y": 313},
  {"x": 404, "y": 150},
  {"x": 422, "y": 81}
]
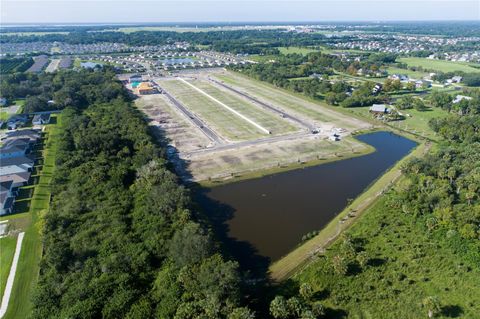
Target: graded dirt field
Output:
[
  {"x": 177, "y": 129},
  {"x": 278, "y": 155}
]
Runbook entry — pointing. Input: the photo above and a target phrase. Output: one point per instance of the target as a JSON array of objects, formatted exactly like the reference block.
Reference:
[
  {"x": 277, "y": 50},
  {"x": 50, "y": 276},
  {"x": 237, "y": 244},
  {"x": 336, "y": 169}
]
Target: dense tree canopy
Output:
[{"x": 119, "y": 239}]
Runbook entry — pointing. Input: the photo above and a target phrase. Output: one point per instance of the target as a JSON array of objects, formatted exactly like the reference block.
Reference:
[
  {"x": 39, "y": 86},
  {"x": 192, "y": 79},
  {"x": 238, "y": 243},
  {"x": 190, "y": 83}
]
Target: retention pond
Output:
[{"x": 267, "y": 217}]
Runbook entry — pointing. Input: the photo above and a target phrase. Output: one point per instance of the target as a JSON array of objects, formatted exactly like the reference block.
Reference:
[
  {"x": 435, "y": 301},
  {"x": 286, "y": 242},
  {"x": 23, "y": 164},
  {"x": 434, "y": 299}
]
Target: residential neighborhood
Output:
[{"x": 16, "y": 164}]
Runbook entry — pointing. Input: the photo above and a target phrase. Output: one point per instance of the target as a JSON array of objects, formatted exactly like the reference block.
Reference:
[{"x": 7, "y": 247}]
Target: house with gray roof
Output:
[
  {"x": 41, "y": 119},
  {"x": 18, "y": 180}
]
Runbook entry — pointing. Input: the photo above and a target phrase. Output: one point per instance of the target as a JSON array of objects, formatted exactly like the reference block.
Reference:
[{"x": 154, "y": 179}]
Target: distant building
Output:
[
  {"x": 17, "y": 121},
  {"x": 379, "y": 109},
  {"x": 459, "y": 98},
  {"x": 377, "y": 88},
  {"x": 145, "y": 88},
  {"x": 41, "y": 119},
  {"x": 457, "y": 79}
]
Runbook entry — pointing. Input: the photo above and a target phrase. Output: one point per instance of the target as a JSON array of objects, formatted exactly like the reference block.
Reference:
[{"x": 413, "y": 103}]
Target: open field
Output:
[
  {"x": 415, "y": 122},
  {"x": 439, "y": 65},
  {"x": 7, "y": 249},
  {"x": 275, "y": 124},
  {"x": 30, "y": 222},
  {"x": 297, "y": 50},
  {"x": 317, "y": 113},
  {"x": 53, "y": 66},
  {"x": 408, "y": 264},
  {"x": 227, "y": 124}
]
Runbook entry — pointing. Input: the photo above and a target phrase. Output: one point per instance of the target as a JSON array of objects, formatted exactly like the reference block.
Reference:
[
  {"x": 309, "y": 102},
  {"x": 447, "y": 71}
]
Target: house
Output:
[
  {"x": 377, "y": 88},
  {"x": 7, "y": 186},
  {"x": 401, "y": 77},
  {"x": 6, "y": 203},
  {"x": 459, "y": 98},
  {"x": 16, "y": 121},
  {"x": 22, "y": 160},
  {"x": 3, "y": 101},
  {"x": 18, "y": 179},
  {"x": 41, "y": 119},
  {"x": 13, "y": 151},
  {"x": 14, "y": 169},
  {"x": 146, "y": 88},
  {"x": 422, "y": 84},
  {"x": 379, "y": 109},
  {"x": 32, "y": 134},
  {"x": 456, "y": 79}
]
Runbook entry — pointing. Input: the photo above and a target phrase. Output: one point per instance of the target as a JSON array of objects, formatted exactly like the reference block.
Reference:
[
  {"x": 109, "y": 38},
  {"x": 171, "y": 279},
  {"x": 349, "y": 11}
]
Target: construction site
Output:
[{"x": 220, "y": 125}]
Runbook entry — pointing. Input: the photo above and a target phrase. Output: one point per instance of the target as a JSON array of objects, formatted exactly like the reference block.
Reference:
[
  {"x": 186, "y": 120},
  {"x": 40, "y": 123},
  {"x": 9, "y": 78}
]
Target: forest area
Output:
[{"x": 121, "y": 239}]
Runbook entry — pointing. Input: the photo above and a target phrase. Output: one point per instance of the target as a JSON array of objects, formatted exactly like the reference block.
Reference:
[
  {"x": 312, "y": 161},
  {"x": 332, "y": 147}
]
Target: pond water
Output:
[{"x": 268, "y": 216}]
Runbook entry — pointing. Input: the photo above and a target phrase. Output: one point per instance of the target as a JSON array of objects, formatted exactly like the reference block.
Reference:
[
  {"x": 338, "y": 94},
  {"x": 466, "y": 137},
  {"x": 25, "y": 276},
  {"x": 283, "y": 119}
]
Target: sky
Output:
[{"x": 151, "y": 11}]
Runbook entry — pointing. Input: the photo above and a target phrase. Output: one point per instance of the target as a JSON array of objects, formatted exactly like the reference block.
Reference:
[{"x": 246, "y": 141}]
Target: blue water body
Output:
[{"x": 272, "y": 213}]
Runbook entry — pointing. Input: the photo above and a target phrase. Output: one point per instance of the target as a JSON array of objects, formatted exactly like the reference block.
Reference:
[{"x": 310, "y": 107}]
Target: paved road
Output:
[
  {"x": 259, "y": 141},
  {"x": 194, "y": 119},
  {"x": 305, "y": 124}
]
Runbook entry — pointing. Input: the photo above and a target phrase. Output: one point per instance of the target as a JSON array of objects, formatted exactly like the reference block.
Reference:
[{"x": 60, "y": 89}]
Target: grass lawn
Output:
[
  {"x": 288, "y": 101},
  {"x": 407, "y": 263},
  {"x": 220, "y": 119},
  {"x": 266, "y": 119},
  {"x": 298, "y": 50},
  {"x": 416, "y": 123},
  {"x": 4, "y": 116},
  {"x": 7, "y": 249},
  {"x": 439, "y": 65},
  {"x": 410, "y": 73},
  {"x": 28, "y": 265}
]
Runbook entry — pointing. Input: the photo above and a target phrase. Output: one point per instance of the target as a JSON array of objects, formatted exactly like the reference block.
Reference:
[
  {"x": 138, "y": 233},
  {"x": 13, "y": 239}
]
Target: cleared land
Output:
[
  {"x": 274, "y": 124},
  {"x": 297, "y": 50},
  {"x": 227, "y": 124},
  {"x": 243, "y": 162},
  {"x": 178, "y": 130},
  {"x": 53, "y": 66},
  {"x": 318, "y": 114},
  {"x": 439, "y": 65}
]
